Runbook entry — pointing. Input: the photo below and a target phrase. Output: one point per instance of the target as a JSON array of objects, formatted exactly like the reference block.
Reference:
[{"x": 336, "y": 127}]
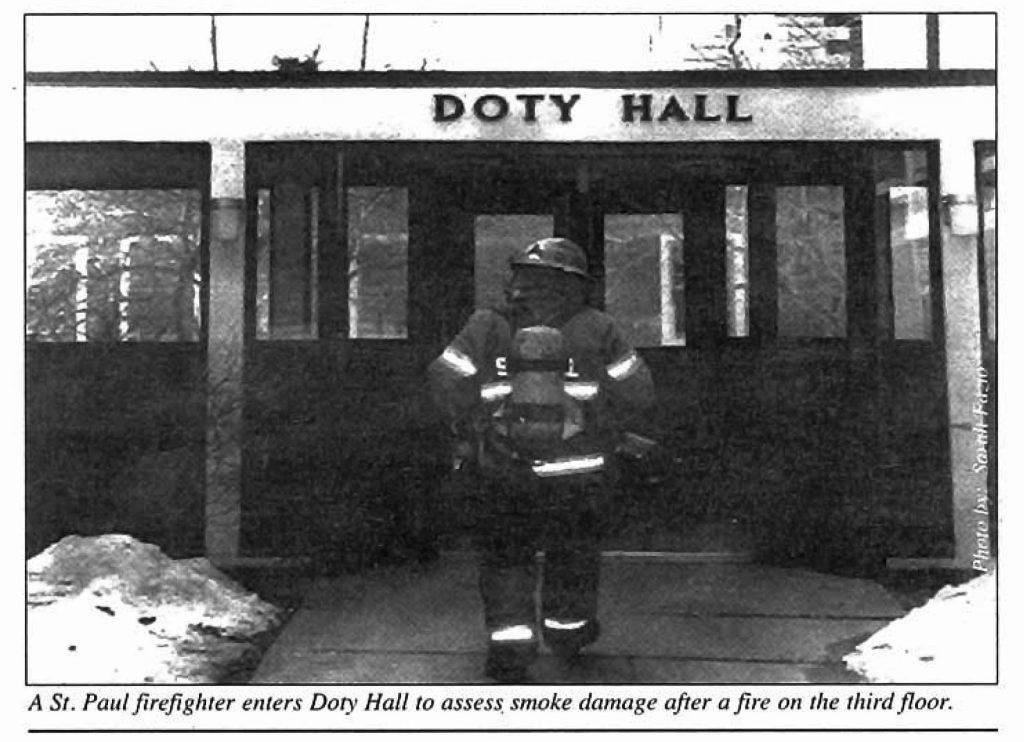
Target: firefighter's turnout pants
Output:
[{"x": 560, "y": 517}]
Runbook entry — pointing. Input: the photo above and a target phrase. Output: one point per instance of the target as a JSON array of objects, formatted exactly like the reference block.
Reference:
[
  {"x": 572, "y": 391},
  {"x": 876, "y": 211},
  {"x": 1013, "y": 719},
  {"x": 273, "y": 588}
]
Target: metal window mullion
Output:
[
  {"x": 762, "y": 294},
  {"x": 271, "y": 264},
  {"x": 935, "y": 269},
  {"x": 858, "y": 248},
  {"x": 332, "y": 254},
  {"x": 885, "y": 299},
  {"x": 313, "y": 236},
  {"x": 981, "y": 149},
  {"x": 340, "y": 288}
]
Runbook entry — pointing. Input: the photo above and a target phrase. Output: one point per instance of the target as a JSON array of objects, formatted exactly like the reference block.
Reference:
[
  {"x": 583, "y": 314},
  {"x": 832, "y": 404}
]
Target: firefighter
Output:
[{"x": 537, "y": 393}]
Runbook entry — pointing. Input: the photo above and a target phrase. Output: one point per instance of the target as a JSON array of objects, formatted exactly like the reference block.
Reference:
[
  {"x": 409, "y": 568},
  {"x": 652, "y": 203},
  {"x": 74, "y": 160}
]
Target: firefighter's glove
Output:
[
  {"x": 641, "y": 457},
  {"x": 462, "y": 456}
]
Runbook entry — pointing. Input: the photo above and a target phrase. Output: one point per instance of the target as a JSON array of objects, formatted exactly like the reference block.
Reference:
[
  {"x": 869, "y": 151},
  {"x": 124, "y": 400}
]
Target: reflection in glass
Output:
[
  {"x": 263, "y": 263},
  {"x": 113, "y": 265},
  {"x": 811, "y": 254},
  {"x": 644, "y": 286},
  {"x": 378, "y": 262},
  {"x": 988, "y": 237},
  {"x": 911, "y": 282},
  {"x": 736, "y": 262},
  {"x": 287, "y": 258},
  {"x": 496, "y": 238},
  {"x": 902, "y": 240}
]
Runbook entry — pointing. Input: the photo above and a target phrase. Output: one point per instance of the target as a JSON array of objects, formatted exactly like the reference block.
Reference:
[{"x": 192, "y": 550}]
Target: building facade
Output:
[{"x": 236, "y": 280}]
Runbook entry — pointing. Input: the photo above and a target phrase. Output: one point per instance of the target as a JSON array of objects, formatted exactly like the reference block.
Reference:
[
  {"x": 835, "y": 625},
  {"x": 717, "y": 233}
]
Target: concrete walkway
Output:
[{"x": 662, "y": 623}]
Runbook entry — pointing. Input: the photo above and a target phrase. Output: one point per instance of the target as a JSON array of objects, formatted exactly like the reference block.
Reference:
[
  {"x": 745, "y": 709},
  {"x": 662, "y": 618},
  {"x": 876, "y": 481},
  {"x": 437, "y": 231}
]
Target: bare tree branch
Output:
[{"x": 737, "y": 61}]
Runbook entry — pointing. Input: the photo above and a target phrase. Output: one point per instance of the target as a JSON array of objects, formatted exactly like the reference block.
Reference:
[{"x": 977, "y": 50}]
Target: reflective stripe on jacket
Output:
[{"x": 606, "y": 383}]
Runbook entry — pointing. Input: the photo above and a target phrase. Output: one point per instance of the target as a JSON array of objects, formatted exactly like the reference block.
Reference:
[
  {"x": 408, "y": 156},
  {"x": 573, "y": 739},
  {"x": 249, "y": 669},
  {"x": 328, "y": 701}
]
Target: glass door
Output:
[{"x": 663, "y": 279}]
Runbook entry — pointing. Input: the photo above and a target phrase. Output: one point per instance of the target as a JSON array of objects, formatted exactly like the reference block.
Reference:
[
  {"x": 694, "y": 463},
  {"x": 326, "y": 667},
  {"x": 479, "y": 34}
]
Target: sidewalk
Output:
[{"x": 662, "y": 623}]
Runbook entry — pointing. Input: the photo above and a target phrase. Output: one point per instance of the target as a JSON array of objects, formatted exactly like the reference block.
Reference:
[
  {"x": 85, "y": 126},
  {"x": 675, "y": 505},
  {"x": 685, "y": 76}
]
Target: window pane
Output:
[
  {"x": 287, "y": 253},
  {"x": 810, "y": 241},
  {"x": 988, "y": 236},
  {"x": 967, "y": 40},
  {"x": 378, "y": 262},
  {"x": 902, "y": 244},
  {"x": 263, "y": 263},
  {"x": 736, "y": 262},
  {"x": 643, "y": 260},
  {"x": 911, "y": 283},
  {"x": 113, "y": 265},
  {"x": 895, "y": 41},
  {"x": 496, "y": 238}
]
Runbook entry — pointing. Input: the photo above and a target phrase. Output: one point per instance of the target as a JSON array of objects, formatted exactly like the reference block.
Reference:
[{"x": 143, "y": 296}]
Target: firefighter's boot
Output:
[
  {"x": 565, "y": 639},
  {"x": 510, "y": 653}
]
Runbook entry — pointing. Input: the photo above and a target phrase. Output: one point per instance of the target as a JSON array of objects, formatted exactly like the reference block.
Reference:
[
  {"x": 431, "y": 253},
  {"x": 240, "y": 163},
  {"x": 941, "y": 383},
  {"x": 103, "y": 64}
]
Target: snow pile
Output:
[
  {"x": 950, "y": 639},
  {"x": 111, "y": 609}
]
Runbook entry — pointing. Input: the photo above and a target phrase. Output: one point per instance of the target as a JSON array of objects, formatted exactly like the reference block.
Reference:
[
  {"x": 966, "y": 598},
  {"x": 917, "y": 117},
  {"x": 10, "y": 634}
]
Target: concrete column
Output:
[
  {"x": 966, "y": 378},
  {"x": 224, "y": 357}
]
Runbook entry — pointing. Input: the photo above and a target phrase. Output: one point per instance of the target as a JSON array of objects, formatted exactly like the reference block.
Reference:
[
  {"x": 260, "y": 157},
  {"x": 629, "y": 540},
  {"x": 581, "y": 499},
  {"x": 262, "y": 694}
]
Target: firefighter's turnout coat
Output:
[{"x": 574, "y": 388}]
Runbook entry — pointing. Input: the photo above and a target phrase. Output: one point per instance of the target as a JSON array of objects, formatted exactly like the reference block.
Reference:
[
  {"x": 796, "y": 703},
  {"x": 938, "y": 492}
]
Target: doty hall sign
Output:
[{"x": 633, "y": 107}]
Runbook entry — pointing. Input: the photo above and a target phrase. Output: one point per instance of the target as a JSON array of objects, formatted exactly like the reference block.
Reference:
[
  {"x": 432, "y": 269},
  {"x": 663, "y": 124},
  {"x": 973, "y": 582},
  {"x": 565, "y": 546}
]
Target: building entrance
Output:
[{"x": 785, "y": 296}]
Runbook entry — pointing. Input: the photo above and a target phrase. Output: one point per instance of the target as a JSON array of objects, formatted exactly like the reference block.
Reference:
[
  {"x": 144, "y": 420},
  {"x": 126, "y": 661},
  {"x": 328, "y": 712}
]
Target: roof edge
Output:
[{"x": 579, "y": 79}]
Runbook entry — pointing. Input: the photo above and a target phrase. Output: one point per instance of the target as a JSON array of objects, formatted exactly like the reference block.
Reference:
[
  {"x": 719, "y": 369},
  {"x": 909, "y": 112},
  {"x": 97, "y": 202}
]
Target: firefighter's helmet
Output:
[{"x": 553, "y": 252}]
